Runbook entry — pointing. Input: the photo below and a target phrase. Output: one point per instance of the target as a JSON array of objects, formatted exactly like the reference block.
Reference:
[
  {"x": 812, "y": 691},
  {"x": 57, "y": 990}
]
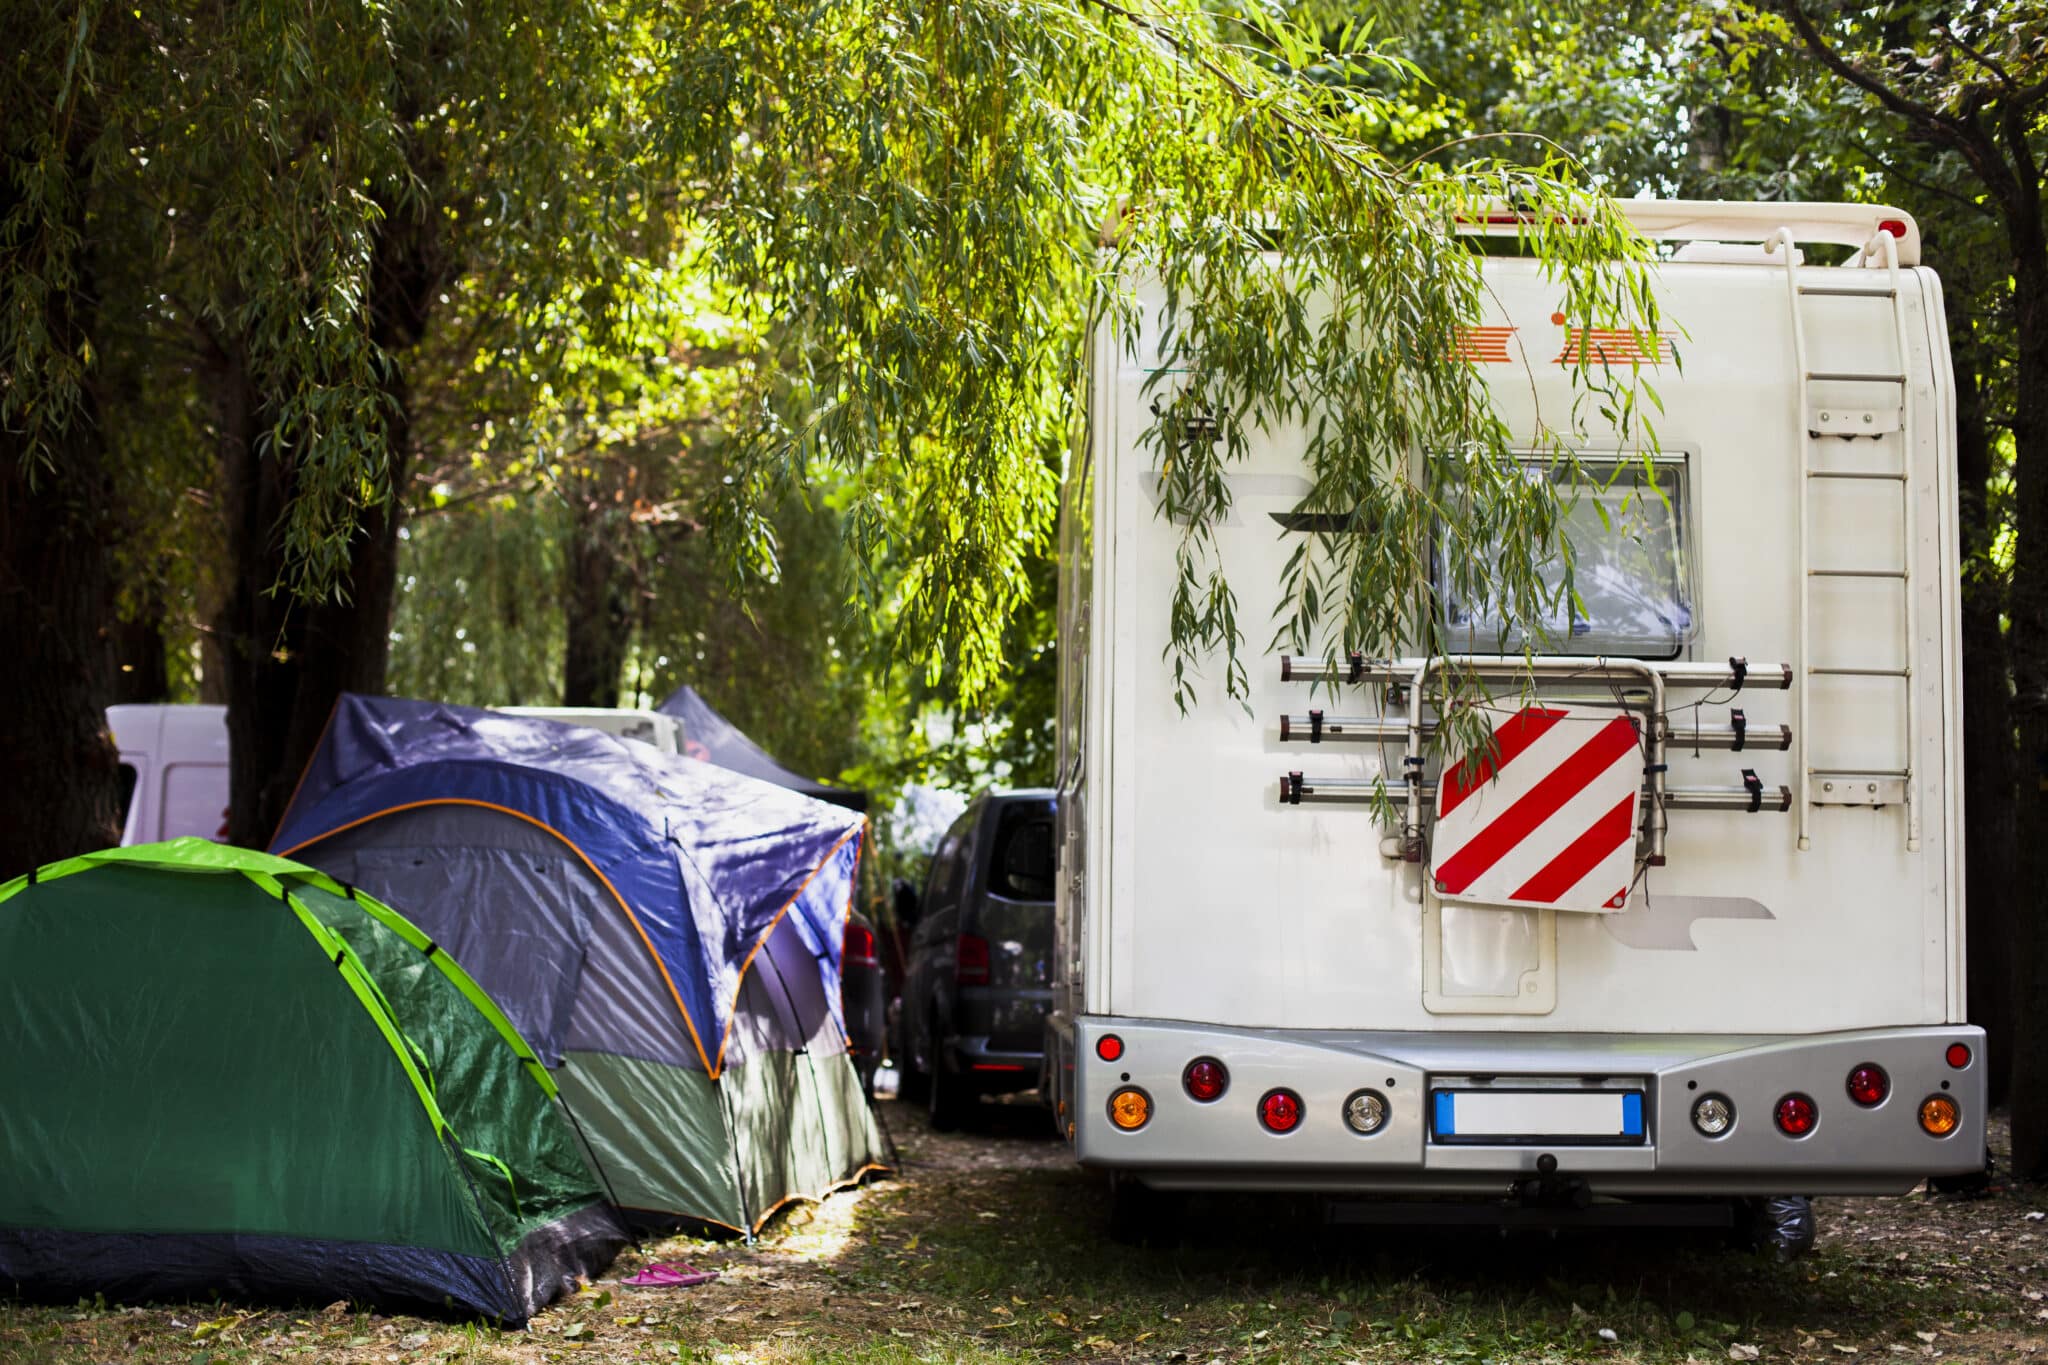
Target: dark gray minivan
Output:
[{"x": 978, "y": 981}]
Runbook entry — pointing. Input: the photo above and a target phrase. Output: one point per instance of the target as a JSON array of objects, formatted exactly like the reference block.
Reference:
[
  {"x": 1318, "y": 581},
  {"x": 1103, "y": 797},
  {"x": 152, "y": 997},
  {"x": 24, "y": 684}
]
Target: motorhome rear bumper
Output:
[{"x": 1222, "y": 1145}]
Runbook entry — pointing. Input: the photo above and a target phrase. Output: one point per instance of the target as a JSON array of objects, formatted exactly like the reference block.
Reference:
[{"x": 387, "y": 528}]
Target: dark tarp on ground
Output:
[
  {"x": 711, "y": 738},
  {"x": 667, "y": 934},
  {"x": 226, "y": 1073}
]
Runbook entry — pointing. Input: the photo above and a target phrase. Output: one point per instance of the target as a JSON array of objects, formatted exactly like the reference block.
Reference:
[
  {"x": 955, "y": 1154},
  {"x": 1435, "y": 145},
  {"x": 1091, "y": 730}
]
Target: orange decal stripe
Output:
[{"x": 631, "y": 918}]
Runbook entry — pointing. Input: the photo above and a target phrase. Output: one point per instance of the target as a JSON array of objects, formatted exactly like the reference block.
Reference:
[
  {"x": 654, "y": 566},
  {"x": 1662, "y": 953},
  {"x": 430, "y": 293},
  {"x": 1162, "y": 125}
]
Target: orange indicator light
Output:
[{"x": 1129, "y": 1108}]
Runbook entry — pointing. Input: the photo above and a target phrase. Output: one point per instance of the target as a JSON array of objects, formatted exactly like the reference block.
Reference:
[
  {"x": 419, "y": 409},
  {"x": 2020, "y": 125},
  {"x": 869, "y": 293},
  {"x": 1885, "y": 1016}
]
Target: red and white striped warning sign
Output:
[{"x": 1549, "y": 820}]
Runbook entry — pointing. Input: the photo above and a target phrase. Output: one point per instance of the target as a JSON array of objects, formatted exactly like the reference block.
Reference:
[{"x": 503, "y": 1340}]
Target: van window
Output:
[
  {"x": 127, "y": 792},
  {"x": 1022, "y": 867},
  {"x": 1631, "y": 537},
  {"x": 948, "y": 875}
]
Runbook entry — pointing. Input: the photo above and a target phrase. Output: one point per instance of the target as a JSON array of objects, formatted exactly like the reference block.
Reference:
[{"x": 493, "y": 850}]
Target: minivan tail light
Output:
[
  {"x": 860, "y": 945},
  {"x": 970, "y": 960}
]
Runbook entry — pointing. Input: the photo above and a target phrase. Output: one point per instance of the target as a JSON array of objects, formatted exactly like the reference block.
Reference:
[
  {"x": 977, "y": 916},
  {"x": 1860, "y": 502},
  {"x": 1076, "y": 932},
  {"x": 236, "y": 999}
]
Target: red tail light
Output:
[
  {"x": 970, "y": 960},
  {"x": 1868, "y": 1085},
  {"x": 1280, "y": 1111},
  {"x": 1896, "y": 227},
  {"x": 1796, "y": 1115},
  {"x": 1205, "y": 1079},
  {"x": 1959, "y": 1055},
  {"x": 860, "y": 945}
]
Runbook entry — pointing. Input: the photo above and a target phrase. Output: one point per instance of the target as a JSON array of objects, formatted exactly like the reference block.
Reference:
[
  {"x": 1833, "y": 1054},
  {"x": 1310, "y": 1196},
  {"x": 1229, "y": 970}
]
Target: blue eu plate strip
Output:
[
  {"x": 1632, "y": 1114},
  {"x": 1446, "y": 1120}
]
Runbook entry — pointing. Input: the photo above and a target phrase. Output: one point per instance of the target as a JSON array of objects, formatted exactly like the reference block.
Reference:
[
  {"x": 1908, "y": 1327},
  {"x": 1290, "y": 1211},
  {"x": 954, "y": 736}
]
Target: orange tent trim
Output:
[{"x": 631, "y": 918}]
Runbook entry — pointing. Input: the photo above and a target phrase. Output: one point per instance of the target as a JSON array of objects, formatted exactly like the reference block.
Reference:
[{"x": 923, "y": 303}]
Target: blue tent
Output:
[{"x": 666, "y": 933}]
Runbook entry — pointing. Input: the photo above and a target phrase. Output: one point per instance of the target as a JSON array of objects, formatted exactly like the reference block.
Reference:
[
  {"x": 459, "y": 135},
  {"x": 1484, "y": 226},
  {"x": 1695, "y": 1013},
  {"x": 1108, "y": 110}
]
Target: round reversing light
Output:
[
  {"x": 1280, "y": 1111},
  {"x": 1868, "y": 1085},
  {"x": 1205, "y": 1079},
  {"x": 1959, "y": 1055},
  {"x": 1939, "y": 1115},
  {"x": 1109, "y": 1047},
  {"x": 1130, "y": 1108},
  {"x": 1797, "y": 1115},
  {"x": 1713, "y": 1115},
  {"x": 1366, "y": 1112}
]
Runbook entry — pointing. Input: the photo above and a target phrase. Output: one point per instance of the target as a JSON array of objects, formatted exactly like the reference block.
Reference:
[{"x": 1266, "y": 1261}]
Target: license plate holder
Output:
[{"x": 1507, "y": 1116}]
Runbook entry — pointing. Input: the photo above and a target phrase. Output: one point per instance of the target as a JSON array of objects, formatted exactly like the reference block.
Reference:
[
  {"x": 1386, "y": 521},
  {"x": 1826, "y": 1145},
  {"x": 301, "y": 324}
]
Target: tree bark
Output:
[
  {"x": 287, "y": 661},
  {"x": 141, "y": 664},
  {"x": 2028, "y": 641},
  {"x": 62, "y": 792},
  {"x": 599, "y": 597},
  {"x": 1988, "y": 756}
]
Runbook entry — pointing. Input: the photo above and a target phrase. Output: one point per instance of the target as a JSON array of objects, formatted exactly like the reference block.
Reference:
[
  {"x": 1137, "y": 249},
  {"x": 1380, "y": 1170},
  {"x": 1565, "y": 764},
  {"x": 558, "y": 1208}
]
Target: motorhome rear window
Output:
[{"x": 1629, "y": 524}]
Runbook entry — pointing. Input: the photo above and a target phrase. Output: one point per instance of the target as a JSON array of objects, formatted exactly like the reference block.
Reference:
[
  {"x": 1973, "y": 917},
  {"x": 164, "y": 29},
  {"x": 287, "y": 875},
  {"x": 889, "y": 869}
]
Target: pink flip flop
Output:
[{"x": 661, "y": 1275}]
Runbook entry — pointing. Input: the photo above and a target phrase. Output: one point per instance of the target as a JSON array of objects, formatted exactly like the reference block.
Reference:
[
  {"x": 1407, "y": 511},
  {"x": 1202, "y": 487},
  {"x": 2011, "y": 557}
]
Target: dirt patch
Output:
[{"x": 992, "y": 1246}]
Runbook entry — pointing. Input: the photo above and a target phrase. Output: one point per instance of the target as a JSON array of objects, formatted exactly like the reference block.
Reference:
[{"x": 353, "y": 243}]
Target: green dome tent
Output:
[{"x": 228, "y": 1073}]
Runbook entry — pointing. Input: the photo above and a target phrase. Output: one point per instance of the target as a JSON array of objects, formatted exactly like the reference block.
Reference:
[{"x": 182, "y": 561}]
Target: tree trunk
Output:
[
  {"x": 288, "y": 661},
  {"x": 141, "y": 664},
  {"x": 2028, "y": 951},
  {"x": 1988, "y": 756},
  {"x": 61, "y": 793},
  {"x": 599, "y": 597}
]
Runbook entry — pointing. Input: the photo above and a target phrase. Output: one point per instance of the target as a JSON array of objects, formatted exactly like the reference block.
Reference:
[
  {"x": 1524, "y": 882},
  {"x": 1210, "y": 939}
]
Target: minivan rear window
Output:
[{"x": 1023, "y": 866}]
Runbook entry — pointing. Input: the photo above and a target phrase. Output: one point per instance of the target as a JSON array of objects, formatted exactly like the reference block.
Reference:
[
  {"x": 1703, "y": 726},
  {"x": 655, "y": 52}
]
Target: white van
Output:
[
  {"x": 174, "y": 760},
  {"x": 1737, "y": 974},
  {"x": 174, "y": 766}
]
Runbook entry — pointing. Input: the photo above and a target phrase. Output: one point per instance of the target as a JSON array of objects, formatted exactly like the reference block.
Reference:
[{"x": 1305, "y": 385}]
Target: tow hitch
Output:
[{"x": 1550, "y": 1190}]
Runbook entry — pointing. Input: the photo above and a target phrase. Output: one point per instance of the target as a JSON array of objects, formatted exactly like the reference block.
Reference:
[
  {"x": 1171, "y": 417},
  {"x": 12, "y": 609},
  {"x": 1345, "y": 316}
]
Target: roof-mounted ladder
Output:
[{"x": 1816, "y": 421}]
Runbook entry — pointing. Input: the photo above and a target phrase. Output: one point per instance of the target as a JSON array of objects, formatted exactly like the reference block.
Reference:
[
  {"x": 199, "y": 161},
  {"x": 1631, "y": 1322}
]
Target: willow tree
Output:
[{"x": 915, "y": 195}]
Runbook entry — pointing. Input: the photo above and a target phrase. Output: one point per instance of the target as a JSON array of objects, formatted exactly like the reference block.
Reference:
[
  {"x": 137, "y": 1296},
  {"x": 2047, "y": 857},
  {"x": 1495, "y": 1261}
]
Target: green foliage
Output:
[{"x": 657, "y": 272}]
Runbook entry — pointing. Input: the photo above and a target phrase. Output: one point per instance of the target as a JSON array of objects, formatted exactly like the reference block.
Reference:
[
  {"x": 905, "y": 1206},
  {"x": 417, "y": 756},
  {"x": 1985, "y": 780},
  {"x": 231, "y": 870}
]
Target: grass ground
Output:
[{"x": 993, "y": 1247}]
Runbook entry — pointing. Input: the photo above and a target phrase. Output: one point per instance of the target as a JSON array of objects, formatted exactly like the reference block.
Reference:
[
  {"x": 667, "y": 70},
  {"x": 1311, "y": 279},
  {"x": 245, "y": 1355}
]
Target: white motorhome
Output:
[{"x": 1738, "y": 973}]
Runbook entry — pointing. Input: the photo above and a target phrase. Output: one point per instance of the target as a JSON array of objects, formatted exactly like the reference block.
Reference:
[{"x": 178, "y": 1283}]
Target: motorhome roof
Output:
[{"x": 1715, "y": 220}]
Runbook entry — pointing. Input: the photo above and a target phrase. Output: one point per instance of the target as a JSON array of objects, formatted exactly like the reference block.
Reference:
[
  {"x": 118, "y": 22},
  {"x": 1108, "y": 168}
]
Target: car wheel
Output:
[
  {"x": 913, "y": 1083},
  {"x": 947, "y": 1097}
]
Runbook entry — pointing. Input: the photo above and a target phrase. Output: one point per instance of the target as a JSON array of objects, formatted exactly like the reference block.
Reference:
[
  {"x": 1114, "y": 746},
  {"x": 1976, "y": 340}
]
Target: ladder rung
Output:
[
  {"x": 1859, "y": 772},
  {"x": 1856, "y": 378},
  {"x": 1827, "y": 292},
  {"x": 1852, "y": 474},
  {"x": 1862, "y": 672},
  {"x": 1855, "y": 573}
]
